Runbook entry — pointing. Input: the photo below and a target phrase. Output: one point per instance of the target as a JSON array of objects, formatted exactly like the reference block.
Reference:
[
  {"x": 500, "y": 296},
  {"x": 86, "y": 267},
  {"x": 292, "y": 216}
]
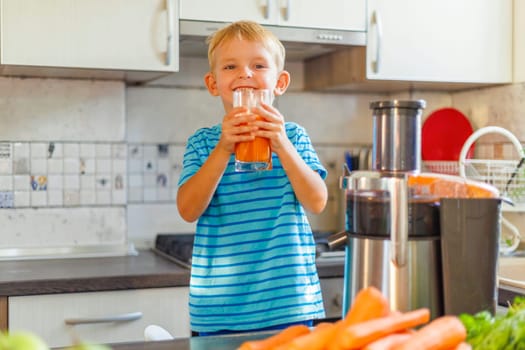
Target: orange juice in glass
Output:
[{"x": 253, "y": 155}]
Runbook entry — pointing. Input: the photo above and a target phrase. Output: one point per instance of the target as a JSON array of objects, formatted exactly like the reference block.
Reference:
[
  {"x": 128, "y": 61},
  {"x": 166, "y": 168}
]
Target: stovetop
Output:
[{"x": 177, "y": 247}]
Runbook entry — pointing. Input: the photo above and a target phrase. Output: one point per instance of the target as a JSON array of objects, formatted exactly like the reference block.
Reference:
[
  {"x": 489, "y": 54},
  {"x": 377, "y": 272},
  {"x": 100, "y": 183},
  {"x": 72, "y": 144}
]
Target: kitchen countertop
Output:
[
  {"x": 49, "y": 276},
  {"x": 221, "y": 342},
  {"x": 145, "y": 270}
]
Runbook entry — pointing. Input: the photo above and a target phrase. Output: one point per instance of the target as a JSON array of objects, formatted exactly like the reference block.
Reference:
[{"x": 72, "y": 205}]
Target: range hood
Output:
[{"x": 300, "y": 43}]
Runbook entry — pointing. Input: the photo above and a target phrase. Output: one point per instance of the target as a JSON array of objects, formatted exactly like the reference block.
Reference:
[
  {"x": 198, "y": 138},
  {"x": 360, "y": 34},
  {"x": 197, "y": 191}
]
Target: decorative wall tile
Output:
[
  {"x": 38, "y": 166},
  {"x": 56, "y": 182},
  {"x": 103, "y": 150},
  {"x": 22, "y": 199},
  {"x": 55, "y": 166},
  {"x": 71, "y": 198},
  {"x": 39, "y": 198},
  {"x": 39, "y": 150},
  {"x": 21, "y": 166},
  {"x": 103, "y": 166},
  {"x": 6, "y": 183},
  {"x": 38, "y": 182},
  {"x": 6, "y": 159},
  {"x": 55, "y": 198},
  {"x": 6, "y": 199},
  {"x": 22, "y": 182},
  {"x": 87, "y": 197},
  {"x": 21, "y": 158},
  {"x": 87, "y": 182},
  {"x": 71, "y": 150},
  {"x": 87, "y": 150},
  {"x": 55, "y": 150},
  {"x": 6, "y": 166},
  {"x": 72, "y": 166},
  {"x": 87, "y": 166},
  {"x": 103, "y": 197},
  {"x": 119, "y": 197},
  {"x": 119, "y": 151},
  {"x": 71, "y": 182}
]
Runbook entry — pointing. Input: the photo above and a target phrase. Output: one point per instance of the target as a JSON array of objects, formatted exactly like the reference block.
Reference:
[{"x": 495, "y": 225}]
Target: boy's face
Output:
[{"x": 242, "y": 63}]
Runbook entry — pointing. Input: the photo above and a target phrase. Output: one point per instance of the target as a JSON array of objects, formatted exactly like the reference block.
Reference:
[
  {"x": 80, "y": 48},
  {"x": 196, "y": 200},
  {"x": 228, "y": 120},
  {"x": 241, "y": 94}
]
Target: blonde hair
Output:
[{"x": 250, "y": 31}]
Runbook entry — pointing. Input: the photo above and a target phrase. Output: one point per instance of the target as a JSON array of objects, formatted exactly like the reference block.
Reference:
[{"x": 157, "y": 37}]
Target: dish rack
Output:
[
  {"x": 508, "y": 176},
  {"x": 505, "y": 175}
]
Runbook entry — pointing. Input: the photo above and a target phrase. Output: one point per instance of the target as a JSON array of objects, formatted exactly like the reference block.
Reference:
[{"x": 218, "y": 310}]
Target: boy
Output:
[{"x": 253, "y": 264}]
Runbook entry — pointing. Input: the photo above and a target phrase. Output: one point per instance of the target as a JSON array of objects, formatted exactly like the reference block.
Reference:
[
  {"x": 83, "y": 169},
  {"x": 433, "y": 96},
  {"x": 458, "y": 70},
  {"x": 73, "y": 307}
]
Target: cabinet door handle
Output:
[
  {"x": 286, "y": 10},
  {"x": 132, "y": 316},
  {"x": 267, "y": 9},
  {"x": 376, "y": 20},
  {"x": 170, "y": 37}
]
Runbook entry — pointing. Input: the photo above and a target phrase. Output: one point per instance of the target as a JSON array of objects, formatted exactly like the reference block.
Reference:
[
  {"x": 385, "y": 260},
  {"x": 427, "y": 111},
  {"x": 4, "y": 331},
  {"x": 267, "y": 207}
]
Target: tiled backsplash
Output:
[{"x": 71, "y": 174}]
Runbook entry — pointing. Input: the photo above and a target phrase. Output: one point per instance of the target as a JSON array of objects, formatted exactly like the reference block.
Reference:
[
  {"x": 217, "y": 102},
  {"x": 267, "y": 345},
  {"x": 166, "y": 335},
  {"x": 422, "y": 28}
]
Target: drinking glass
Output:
[{"x": 252, "y": 155}]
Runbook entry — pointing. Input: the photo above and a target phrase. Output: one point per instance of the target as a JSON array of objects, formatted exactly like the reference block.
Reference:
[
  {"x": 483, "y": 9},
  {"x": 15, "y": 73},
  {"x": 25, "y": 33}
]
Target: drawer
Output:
[{"x": 93, "y": 315}]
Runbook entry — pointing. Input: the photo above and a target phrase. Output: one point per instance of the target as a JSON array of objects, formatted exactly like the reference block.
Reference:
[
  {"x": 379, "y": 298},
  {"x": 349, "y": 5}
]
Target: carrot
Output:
[
  {"x": 388, "y": 342},
  {"x": 317, "y": 339},
  {"x": 442, "y": 333},
  {"x": 369, "y": 303},
  {"x": 282, "y": 337},
  {"x": 360, "y": 334}
]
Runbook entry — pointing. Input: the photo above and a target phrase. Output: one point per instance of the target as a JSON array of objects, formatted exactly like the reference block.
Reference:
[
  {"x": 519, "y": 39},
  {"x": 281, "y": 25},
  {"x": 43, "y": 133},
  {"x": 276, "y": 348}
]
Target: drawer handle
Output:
[{"x": 132, "y": 316}]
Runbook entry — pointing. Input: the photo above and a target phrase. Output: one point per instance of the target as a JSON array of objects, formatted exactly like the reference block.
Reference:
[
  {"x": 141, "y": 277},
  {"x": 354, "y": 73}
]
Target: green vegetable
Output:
[{"x": 485, "y": 332}]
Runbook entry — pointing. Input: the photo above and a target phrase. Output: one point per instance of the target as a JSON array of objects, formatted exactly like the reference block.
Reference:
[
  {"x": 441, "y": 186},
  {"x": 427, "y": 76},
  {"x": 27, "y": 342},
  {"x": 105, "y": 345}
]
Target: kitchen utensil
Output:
[
  {"x": 393, "y": 221},
  {"x": 388, "y": 242},
  {"x": 443, "y": 134}
]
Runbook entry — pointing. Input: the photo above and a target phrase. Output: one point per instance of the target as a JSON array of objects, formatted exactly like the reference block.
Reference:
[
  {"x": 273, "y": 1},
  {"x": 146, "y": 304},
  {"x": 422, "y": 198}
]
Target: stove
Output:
[{"x": 177, "y": 247}]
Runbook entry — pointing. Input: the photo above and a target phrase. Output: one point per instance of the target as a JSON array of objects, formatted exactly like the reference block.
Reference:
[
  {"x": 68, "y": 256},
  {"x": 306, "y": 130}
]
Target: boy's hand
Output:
[
  {"x": 237, "y": 126},
  {"x": 271, "y": 126}
]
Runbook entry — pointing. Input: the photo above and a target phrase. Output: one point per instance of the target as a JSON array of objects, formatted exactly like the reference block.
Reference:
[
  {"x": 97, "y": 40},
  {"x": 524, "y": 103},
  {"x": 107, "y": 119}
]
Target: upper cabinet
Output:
[
  {"x": 467, "y": 41},
  {"x": 115, "y": 39},
  {"x": 331, "y": 14},
  {"x": 423, "y": 44}
]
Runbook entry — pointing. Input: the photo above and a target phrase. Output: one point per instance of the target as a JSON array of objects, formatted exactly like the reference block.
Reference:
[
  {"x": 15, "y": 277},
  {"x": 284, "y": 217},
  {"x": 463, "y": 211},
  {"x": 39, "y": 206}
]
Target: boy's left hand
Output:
[{"x": 271, "y": 126}]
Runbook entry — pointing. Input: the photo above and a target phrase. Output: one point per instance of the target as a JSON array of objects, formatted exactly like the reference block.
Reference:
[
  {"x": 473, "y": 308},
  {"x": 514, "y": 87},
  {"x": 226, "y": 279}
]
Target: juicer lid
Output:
[{"x": 398, "y": 104}]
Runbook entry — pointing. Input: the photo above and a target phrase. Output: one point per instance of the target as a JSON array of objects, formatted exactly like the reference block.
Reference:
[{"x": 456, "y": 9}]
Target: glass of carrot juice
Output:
[{"x": 252, "y": 155}]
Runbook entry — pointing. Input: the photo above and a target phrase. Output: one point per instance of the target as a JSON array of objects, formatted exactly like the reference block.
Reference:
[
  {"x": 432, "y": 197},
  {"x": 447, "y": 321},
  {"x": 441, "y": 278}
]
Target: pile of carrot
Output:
[{"x": 371, "y": 325}]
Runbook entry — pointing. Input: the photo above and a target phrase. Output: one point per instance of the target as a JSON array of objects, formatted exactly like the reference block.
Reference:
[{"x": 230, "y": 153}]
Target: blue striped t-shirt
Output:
[{"x": 253, "y": 263}]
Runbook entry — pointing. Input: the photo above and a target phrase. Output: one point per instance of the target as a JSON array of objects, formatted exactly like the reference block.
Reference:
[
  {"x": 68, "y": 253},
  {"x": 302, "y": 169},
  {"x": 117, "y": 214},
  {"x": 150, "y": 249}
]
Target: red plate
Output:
[{"x": 443, "y": 135}]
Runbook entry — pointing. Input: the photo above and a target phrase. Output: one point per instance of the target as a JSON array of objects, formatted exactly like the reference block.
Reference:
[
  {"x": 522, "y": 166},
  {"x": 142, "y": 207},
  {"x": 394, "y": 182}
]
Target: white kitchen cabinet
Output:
[
  {"x": 331, "y": 14},
  {"x": 519, "y": 41},
  {"x": 468, "y": 41},
  {"x": 46, "y": 315},
  {"x": 109, "y": 38}
]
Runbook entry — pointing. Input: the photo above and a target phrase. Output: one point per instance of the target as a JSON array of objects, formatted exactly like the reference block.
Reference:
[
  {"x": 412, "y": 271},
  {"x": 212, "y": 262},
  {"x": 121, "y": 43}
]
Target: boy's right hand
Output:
[{"x": 236, "y": 127}]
